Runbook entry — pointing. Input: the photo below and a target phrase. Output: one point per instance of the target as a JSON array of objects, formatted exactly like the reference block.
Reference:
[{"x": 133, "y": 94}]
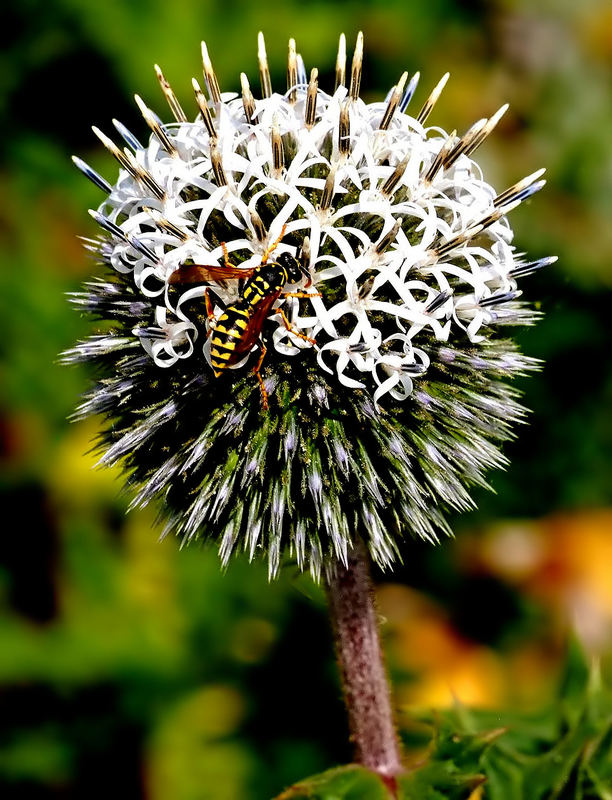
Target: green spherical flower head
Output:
[{"x": 307, "y": 297}]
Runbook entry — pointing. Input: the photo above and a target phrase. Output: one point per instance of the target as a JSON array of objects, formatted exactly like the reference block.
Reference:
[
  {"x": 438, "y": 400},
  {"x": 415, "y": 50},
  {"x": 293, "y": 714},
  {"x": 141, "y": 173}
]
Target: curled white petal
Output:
[
  {"x": 168, "y": 342},
  {"x": 425, "y": 285}
]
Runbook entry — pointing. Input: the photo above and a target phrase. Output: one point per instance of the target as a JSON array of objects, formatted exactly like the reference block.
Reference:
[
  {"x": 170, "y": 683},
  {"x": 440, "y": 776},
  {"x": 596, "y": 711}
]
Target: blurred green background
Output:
[{"x": 128, "y": 666}]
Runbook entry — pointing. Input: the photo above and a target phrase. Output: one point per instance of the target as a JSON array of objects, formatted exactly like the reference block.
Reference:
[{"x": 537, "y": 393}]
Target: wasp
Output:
[{"x": 239, "y": 327}]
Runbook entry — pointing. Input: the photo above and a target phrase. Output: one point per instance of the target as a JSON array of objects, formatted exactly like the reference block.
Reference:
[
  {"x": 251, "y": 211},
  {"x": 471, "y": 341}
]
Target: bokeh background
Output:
[{"x": 130, "y": 667}]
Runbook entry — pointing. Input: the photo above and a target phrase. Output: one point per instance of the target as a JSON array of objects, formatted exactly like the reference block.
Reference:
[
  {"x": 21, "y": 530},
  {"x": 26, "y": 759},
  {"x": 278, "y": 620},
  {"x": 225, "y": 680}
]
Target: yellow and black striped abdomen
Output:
[
  {"x": 240, "y": 324},
  {"x": 229, "y": 330}
]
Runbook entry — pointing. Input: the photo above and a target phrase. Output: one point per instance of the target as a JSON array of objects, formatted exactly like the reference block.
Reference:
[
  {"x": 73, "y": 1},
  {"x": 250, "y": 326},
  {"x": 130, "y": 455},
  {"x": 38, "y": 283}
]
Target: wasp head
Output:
[{"x": 294, "y": 271}]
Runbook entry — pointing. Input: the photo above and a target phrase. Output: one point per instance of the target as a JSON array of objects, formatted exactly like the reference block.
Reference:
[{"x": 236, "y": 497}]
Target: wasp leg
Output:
[
  {"x": 256, "y": 369},
  {"x": 210, "y": 313},
  {"x": 301, "y": 294},
  {"x": 226, "y": 259},
  {"x": 291, "y": 329},
  {"x": 271, "y": 248}
]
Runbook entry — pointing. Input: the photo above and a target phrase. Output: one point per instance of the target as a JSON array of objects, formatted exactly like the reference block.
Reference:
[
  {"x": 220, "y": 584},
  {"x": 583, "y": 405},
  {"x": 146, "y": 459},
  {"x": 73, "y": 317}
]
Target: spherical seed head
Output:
[{"x": 379, "y": 396}]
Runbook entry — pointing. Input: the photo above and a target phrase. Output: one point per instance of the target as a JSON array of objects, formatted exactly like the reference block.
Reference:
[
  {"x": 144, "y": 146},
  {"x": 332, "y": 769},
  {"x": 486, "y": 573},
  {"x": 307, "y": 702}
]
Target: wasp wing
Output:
[
  {"x": 256, "y": 322},
  {"x": 204, "y": 273}
]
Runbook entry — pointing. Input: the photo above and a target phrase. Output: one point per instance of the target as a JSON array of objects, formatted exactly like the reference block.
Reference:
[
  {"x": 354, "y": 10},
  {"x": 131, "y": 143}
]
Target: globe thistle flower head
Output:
[{"x": 304, "y": 303}]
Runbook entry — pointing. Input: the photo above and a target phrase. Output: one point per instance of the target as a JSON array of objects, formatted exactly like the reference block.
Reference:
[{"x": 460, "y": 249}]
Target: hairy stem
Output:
[{"x": 366, "y": 689}]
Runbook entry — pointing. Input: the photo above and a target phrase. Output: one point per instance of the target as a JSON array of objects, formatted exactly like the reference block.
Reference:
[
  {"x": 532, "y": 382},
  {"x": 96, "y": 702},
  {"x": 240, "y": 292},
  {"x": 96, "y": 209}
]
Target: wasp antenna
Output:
[
  {"x": 341, "y": 62},
  {"x": 209, "y": 76},
  {"x": 432, "y": 99},
  {"x": 264, "y": 70},
  {"x": 154, "y": 123},
  {"x": 356, "y": 68},
  {"x": 248, "y": 101},
  {"x": 394, "y": 100},
  {"x": 310, "y": 113},
  {"x": 292, "y": 72},
  {"x": 344, "y": 128},
  {"x": 175, "y": 106}
]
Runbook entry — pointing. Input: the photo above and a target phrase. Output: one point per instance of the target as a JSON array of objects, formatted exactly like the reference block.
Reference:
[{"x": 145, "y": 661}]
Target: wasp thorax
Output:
[{"x": 288, "y": 262}]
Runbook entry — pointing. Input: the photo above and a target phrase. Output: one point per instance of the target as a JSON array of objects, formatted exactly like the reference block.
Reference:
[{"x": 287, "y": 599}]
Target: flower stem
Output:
[{"x": 350, "y": 595}]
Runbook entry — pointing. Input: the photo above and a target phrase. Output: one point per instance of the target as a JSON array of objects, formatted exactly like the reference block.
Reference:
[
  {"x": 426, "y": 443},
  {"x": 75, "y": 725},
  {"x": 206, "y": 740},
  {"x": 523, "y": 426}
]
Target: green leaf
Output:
[
  {"x": 438, "y": 781},
  {"x": 600, "y": 764},
  {"x": 562, "y": 752},
  {"x": 432, "y": 781},
  {"x": 350, "y": 782}
]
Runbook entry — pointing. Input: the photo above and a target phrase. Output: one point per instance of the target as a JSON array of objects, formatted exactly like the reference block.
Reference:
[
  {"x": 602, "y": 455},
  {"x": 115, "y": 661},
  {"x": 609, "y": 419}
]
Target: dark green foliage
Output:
[
  {"x": 351, "y": 782},
  {"x": 564, "y": 753}
]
